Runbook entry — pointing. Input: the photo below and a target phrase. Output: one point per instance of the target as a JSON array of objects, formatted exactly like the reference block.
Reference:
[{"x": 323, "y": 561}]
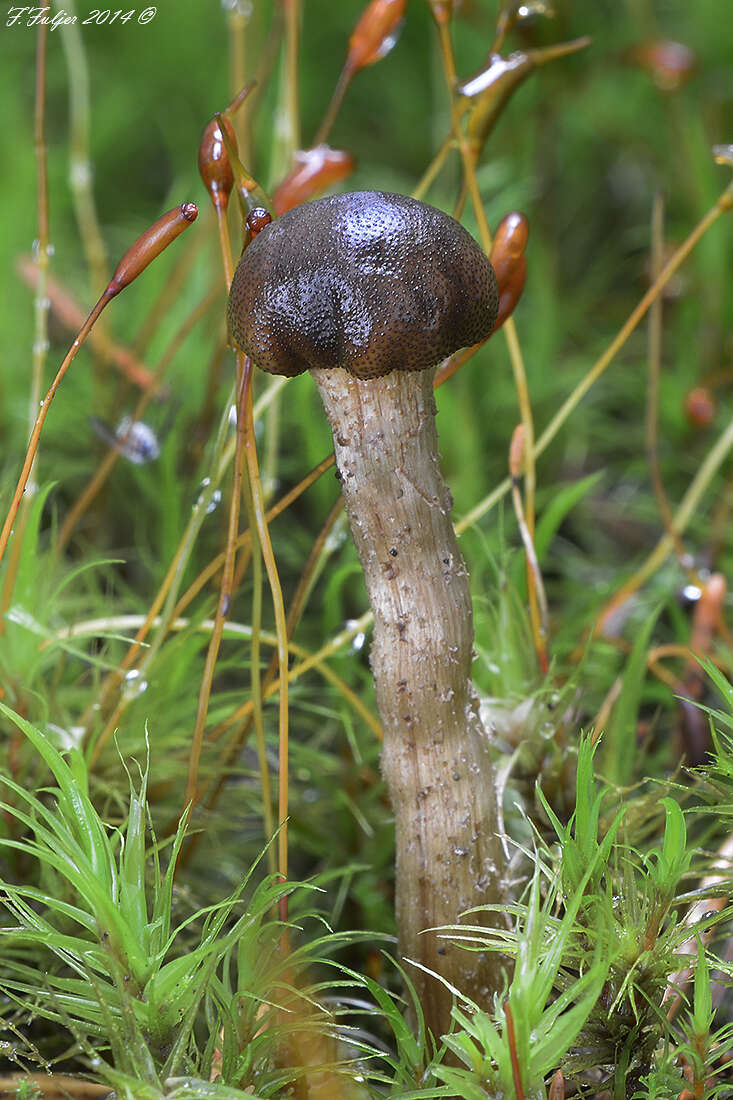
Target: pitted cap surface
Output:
[{"x": 368, "y": 281}]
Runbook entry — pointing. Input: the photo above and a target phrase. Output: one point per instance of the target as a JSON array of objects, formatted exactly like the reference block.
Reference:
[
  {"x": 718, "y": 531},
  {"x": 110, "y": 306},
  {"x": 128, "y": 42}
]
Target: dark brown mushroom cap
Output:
[{"x": 369, "y": 281}]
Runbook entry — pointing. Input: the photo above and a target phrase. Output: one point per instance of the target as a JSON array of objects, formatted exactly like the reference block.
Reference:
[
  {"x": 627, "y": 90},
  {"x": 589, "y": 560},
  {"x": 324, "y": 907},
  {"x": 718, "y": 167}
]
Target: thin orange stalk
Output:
[
  {"x": 469, "y": 158},
  {"x": 256, "y": 688},
  {"x": 334, "y": 106},
  {"x": 244, "y": 396},
  {"x": 66, "y": 308},
  {"x": 40, "y": 419},
  {"x": 280, "y": 623},
  {"x": 512, "y": 1040},
  {"x": 433, "y": 169},
  {"x": 225, "y": 243},
  {"x": 294, "y": 613}
]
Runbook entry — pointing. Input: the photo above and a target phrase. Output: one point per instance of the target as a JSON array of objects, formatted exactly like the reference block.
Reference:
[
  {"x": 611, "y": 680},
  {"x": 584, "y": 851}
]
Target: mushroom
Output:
[{"x": 370, "y": 290}]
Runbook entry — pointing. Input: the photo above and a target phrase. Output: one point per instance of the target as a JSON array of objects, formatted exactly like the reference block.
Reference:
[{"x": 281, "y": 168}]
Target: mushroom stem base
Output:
[{"x": 435, "y": 756}]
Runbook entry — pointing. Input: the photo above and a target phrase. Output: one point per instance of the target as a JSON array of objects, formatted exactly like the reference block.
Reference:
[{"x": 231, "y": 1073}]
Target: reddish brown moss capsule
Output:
[
  {"x": 509, "y": 263},
  {"x": 516, "y": 452},
  {"x": 257, "y": 219},
  {"x": 670, "y": 64},
  {"x": 375, "y": 33},
  {"x": 214, "y": 167},
  {"x": 700, "y": 407},
  {"x": 510, "y": 241},
  {"x": 151, "y": 244},
  {"x": 315, "y": 170}
]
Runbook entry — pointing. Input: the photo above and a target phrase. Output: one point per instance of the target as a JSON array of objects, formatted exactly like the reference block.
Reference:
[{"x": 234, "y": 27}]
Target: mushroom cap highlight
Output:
[{"x": 369, "y": 281}]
